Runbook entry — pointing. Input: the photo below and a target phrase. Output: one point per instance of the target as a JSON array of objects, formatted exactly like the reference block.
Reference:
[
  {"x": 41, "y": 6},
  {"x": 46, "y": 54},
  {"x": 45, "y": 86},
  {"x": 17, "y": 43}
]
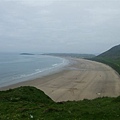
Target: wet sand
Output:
[{"x": 82, "y": 80}]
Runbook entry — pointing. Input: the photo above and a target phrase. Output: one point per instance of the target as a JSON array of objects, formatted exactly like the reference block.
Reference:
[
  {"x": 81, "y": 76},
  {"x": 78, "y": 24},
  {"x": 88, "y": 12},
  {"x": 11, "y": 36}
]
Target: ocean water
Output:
[{"x": 15, "y": 68}]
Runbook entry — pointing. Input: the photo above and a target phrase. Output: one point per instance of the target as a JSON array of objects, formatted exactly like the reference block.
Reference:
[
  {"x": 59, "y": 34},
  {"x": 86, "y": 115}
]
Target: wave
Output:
[
  {"x": 35, "y": 71},
  {"x": 38, "y": 71}
]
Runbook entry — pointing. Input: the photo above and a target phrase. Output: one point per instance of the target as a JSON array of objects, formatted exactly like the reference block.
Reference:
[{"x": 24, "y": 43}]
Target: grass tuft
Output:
[{"x": 26, "y": 103}]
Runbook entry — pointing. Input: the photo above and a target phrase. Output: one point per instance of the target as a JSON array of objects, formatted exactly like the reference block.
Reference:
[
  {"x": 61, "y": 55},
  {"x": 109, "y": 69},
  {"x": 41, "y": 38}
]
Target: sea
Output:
[{"x": 15, "y": 68}]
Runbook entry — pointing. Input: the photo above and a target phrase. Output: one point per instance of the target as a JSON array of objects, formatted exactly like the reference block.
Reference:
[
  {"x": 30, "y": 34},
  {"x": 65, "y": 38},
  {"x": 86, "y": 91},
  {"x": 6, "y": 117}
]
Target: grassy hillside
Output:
[
  {"x": 114, "y": 63},
  {"x": 111, "y": 58},
  {"x": 26, "y": 103},
  {"x": 113, "y": 53}
]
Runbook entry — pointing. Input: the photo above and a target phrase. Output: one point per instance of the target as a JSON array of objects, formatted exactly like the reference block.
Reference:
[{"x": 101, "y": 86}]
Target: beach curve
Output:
[{"x": 84, "y": 79}]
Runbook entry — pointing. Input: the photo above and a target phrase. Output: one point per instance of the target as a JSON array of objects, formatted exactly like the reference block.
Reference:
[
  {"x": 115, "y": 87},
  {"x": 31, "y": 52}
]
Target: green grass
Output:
[
  {"x": 114, "y": 63},
  {"x": 27, "y": 103},
  {"x": 111, "y": 58}
]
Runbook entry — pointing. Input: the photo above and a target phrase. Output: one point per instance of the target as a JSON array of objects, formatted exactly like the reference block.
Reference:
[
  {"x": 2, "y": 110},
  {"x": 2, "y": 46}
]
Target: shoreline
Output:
[
  {"x": 81, "y": 79},
  {"x": 54, "y": 71},
  {"x": 38, "y": 73}
]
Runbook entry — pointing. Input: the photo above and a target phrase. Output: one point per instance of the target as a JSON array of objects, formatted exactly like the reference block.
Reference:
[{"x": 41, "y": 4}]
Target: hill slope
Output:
[
  {"x": 114, "y": 52},
  {"x": 111, "y": 58},
  {"x": 26, "y": 103}
]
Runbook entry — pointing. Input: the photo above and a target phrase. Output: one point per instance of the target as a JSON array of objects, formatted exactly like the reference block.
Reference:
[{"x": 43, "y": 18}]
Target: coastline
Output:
[
  {"x": 28, "y": 71},
  {"x": 81, "y": 79},
  {"x": 49, "y": 73}
]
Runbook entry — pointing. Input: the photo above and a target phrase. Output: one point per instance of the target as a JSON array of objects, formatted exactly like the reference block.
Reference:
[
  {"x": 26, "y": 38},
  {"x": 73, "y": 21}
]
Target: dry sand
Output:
[{"x": 82, "y": 80}]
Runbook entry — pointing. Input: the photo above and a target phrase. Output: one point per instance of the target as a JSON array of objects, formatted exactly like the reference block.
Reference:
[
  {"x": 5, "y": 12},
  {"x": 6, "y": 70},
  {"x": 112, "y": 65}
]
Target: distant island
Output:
[
  {"x": 31, "y": 103},
  {"x": 26, "y": 54}
]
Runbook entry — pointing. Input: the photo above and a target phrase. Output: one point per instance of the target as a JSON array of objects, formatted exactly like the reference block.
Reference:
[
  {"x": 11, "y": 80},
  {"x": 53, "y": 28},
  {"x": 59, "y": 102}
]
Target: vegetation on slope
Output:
[
  {"x": 26, "y": 103},
  {"x": 111, "y": 58},
  {"x": 114, "y": 63},
  {"x": 113, "y": 53}
]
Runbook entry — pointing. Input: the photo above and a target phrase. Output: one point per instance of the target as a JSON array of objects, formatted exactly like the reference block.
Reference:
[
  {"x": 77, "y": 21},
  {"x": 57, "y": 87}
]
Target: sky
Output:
[{"x": 59, "y": 26}]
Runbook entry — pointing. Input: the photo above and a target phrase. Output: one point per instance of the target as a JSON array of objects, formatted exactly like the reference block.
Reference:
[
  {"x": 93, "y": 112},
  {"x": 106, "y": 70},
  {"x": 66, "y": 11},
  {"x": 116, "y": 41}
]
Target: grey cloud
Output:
[{"x": 84, "y": 26}]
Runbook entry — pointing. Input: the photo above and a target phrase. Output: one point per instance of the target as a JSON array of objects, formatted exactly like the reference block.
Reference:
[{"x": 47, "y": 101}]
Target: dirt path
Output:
[{"x": 83, "y": 80}]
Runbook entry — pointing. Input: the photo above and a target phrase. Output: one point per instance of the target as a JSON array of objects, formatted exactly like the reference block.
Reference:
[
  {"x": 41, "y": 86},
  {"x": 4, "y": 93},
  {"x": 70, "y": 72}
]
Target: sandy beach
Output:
[{"x": 83, "y": 79}]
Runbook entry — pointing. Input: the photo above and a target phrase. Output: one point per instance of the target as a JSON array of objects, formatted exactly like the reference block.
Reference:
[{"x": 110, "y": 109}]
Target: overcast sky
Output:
[{"x": 70, "y": 26}]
